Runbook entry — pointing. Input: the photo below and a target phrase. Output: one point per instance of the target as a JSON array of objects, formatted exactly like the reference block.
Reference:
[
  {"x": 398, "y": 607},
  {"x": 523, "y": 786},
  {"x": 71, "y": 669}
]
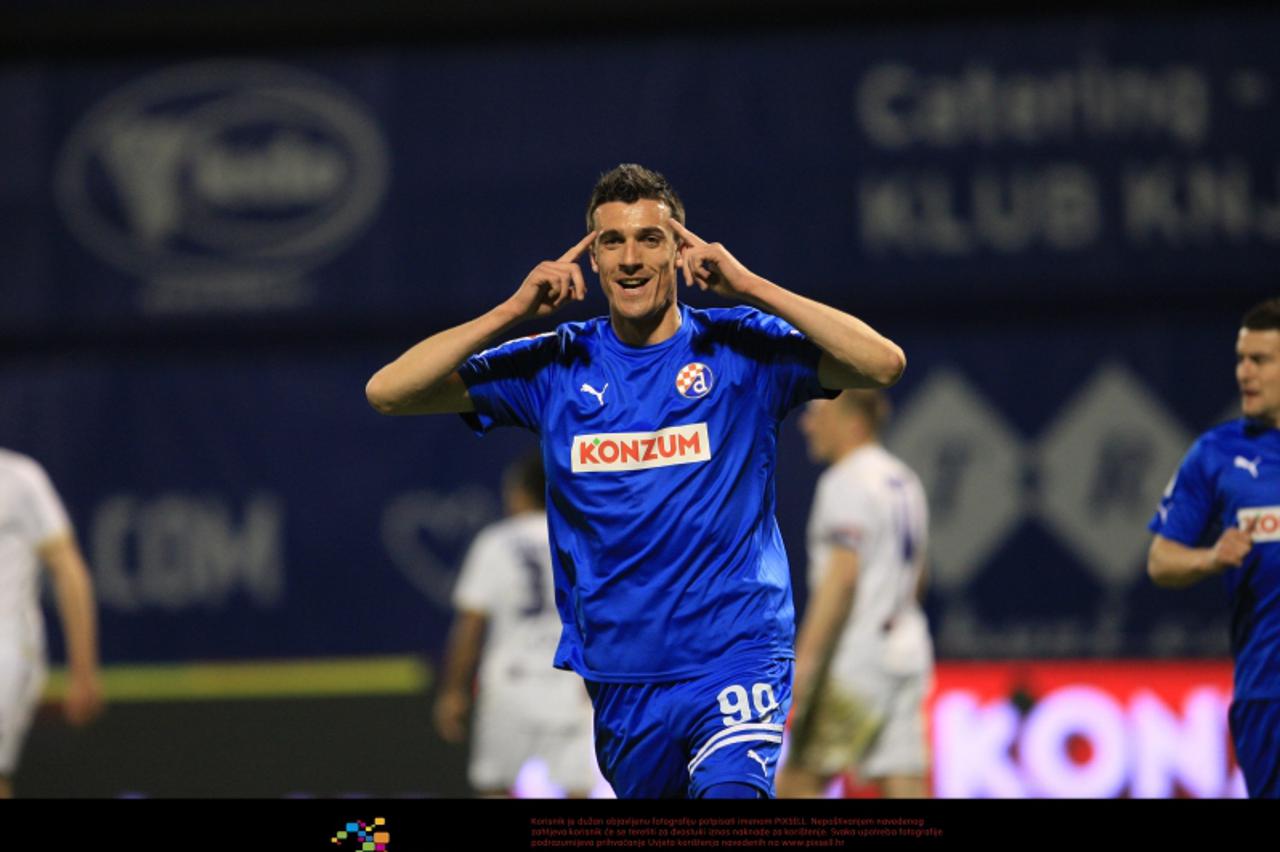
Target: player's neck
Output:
[
  {"x": 850, "y": 447},
  {"x": 647, "y": 331},
  {"x": 1263, "y": 423}
]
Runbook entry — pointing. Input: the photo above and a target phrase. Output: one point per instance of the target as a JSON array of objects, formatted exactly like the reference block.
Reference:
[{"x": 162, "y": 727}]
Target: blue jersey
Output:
[
  {"x": 1231, "y": 477},
  {"x": 660, "y": 485}
]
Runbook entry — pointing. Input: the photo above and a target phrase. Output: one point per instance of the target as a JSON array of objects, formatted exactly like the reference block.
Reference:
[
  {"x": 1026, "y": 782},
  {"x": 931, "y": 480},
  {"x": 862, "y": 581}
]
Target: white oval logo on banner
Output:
[{"x": 222, "y": 170}]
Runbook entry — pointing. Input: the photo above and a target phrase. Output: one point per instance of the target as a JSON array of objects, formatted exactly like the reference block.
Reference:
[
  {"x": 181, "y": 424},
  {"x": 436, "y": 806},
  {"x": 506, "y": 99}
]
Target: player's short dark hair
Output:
[
  {"x": 527, "y": 476},
  {"x": 629, "y": 183},
  {"x": 1263, "y": 316},
  {"x": 871, "y": 404}
]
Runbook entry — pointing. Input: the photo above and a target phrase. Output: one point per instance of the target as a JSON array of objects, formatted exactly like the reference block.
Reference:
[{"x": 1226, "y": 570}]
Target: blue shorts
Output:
[
  {"x": 676, "y": 739},
  {"x": 1254, "y": 724}
]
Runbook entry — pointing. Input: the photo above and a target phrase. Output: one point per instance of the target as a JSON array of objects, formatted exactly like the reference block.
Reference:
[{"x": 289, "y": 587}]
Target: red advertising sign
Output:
[{"x": 1134, "y": 729}]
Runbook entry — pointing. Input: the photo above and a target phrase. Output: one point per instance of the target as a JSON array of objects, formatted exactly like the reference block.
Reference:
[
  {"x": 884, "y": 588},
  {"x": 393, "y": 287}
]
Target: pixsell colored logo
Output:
[{"x": 363, "y": 836}]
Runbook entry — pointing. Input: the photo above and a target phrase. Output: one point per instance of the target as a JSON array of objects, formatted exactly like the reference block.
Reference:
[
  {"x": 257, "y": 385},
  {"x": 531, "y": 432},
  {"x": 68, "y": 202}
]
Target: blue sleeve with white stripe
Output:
[
  {"x": 508, "y": 383},
  {"x": 790, "y": 357},
  {"x": 1186, "y": 508}
]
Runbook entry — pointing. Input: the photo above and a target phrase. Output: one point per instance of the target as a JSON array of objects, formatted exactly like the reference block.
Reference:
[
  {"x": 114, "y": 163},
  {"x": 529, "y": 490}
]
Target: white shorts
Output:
[
  {"x": 504, "y": 740},
  {"x": 871, "y": 721},
  {"x": 21, "y": 683}
]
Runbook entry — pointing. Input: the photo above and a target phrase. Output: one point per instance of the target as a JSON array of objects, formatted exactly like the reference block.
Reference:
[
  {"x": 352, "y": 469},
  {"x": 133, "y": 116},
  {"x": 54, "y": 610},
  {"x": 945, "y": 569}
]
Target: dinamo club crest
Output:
[{"x": 694, "y": 380}]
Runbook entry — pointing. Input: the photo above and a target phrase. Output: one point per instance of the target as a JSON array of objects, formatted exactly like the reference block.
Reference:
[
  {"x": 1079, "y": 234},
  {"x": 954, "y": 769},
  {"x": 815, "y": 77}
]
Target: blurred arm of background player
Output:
[
  {"x": 73, "y": 589},
  {"x": 829, "y": 607},
  {"x": 826, "y": 617},
  {"x": 453, "y": 700},
  {"x": 1175, "y": 566}
]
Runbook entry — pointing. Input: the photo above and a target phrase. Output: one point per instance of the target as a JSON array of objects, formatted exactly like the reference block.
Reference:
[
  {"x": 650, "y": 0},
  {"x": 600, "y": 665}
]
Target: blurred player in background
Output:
[
  {"x": 1220, "y": 516},
  {"x": 524, "y": 707},
  {"x": 34, "y": 529},
  {"x": 659, "y": 436},
  {"x": 864, "y": 660}
]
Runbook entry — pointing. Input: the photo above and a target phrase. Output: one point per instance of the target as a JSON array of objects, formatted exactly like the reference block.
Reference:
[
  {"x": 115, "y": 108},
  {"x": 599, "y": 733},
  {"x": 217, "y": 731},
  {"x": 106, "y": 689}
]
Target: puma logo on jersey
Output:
[
  {"x": 598, "y": 394},
  {"x": 1262, "y": 521},
  {"x": 638, "y": 450},
  {"x": 764, "y": 764},
  {"x": 1251, "y": 466}
]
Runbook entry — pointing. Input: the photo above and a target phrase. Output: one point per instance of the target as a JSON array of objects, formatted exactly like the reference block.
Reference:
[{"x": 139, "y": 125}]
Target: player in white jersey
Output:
[
  {"x": 34, "y": 529},
  {"x": 524, "y": 707},
  {"x": 864, "y": 659}
]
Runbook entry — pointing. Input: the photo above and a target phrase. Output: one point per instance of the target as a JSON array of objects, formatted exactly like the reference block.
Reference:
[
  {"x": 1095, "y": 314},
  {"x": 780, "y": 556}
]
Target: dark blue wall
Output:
[{"x": 1061, "y": 220}]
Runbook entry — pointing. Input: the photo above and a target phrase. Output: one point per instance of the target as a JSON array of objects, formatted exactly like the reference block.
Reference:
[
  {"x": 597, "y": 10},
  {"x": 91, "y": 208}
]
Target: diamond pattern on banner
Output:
[
  {"x": 1103, "y": 465},
  {"x": 970, "y": 462}
]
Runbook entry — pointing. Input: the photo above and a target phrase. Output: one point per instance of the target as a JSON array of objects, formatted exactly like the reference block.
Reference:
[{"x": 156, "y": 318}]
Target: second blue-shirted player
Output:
[
  {"x": 658, "y": 427},
  {"x": 1221, "y": 516}
]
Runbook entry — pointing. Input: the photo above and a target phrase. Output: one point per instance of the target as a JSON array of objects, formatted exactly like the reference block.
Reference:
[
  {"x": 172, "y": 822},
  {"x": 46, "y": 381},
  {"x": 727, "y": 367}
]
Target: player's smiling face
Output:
[
  {"x": 636, "y": 258},
  {"x": 1258, "y": 373}
]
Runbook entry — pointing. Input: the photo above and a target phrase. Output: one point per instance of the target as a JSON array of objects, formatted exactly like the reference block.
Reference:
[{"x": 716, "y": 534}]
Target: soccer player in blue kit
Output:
[
  {"x": 1220, "y": 516},
  {"x": 659, "y": 431}
]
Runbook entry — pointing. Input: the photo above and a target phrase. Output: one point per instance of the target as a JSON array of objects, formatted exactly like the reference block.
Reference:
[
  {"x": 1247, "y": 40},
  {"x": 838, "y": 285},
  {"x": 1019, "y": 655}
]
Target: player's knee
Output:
[{"x": 732, "y": 790}]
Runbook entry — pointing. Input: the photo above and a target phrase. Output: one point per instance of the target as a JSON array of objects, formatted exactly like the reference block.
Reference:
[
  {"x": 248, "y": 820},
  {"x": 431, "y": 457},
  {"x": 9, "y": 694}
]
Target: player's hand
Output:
[
  {"x": 552, "y": 283},
  {"x": 451, "y": 712},
  {"x": 84, "y": 700},
  {"x": 1232, "y": 547},
  {"x": 711, "y": 267}
]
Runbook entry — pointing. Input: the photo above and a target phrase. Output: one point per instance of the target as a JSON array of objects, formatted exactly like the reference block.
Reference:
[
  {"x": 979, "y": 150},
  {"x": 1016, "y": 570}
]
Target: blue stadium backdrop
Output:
[{"x": 1060, "y": 220}]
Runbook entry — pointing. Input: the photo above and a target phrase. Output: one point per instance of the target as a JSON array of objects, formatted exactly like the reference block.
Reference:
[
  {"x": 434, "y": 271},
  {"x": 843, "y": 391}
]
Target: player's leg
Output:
[
  {"x": 570, "y": 757},
  {"x": 500, "y": 745},
  {"x": 639, "y": 753},
  {"x": 798, "y": 778},
  {"x": 1253, "y": 731},
  {"x": 903, "y": 786},
  {"x": 897, "y": 761},
  {"x": 832, "y": 737},
  {"x": 733, "y": 724},
  {"x": 20, "y": 686},
  {"x": 798, "y": 782}
]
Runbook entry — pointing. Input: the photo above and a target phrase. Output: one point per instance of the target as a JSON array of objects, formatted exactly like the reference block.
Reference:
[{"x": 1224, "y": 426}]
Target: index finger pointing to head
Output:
[
  {"x": 685, "y": 234},
  {"x": 576, "y": 252}
]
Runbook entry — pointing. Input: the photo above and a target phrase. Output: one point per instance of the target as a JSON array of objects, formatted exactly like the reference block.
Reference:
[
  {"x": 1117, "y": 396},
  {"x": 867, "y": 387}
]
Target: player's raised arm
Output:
[
  {"x": 854, "y": 354},
  {"x": 424, "y": 380}
]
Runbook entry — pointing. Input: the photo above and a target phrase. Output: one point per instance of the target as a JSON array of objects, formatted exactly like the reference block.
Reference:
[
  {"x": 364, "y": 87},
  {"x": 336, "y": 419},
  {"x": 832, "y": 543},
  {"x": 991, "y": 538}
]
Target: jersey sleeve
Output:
[
  {"x": 1186, "y": 508},
  {"x": 478, "y": 579},
  {"x": 41, "y": 513},
  {"x": 788, "y": 359},
  {"x": 508, "y": 383}
]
